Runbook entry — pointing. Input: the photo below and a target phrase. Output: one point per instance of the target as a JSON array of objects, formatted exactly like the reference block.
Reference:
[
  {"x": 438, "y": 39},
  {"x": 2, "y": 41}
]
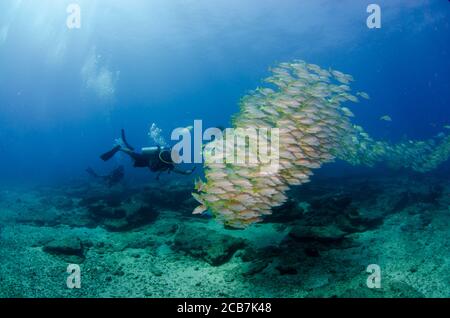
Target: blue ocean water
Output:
[
  {"x": 66, "y": 93},
  {"x": 73, "y": 73}
]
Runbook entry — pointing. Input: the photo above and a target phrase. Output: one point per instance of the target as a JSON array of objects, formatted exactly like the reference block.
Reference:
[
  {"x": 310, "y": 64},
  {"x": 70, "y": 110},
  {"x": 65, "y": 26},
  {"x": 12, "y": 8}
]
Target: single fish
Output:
[
  {"x": 199, "y": 185},
  {"x": 386, "y": 118},
  {"x": 363, "y": 95},
  {"x": 200, "y": 209}
]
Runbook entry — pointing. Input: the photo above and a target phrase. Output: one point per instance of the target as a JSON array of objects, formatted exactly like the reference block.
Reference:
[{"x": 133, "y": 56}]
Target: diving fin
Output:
[
  {"x": 92, "y": 173},
  {"x": 108, "y": 155},
  {"x": 124, "y": 139}
]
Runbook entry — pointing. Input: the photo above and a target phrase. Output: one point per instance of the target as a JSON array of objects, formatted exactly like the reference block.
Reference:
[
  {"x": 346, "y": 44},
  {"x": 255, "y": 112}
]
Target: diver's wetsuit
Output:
[{"x": 157, "y": 159}]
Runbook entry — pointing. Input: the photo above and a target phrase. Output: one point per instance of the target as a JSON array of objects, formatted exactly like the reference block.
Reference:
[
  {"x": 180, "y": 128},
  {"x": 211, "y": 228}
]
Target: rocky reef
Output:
[{"x": 144, "y": 241}]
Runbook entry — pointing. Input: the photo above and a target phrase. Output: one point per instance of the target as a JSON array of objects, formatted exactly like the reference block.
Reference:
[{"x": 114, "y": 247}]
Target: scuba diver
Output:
[
  {"x": 157, "y": 159},
  {"x": 114, "y": 177}
]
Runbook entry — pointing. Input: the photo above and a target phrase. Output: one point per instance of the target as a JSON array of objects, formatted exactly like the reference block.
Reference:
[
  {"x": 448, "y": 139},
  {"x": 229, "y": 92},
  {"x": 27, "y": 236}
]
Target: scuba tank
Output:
[
  {"x": 150, "y": 150},
  {"x": 164, "y": 153}
]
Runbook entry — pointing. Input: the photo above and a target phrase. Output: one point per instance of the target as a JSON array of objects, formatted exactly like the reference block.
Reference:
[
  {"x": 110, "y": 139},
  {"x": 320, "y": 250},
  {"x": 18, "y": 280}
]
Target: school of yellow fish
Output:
[{"x": 304, "y": 102}]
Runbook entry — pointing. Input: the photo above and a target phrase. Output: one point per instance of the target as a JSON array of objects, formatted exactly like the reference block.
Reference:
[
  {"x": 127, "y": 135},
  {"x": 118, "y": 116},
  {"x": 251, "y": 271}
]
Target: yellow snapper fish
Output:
[
  {"x": 199, "y": 185},
  {"x": 386, "y": 118},
  {"x": 363, "y": 95},
  {"x": 314, "y": 129}
]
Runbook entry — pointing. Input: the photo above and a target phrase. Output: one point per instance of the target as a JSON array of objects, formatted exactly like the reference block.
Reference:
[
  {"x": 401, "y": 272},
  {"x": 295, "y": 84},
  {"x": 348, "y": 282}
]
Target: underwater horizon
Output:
[{"x": 365, "y": 158}]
